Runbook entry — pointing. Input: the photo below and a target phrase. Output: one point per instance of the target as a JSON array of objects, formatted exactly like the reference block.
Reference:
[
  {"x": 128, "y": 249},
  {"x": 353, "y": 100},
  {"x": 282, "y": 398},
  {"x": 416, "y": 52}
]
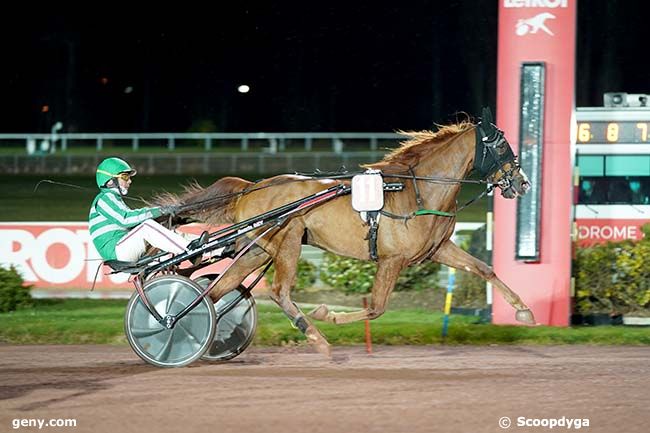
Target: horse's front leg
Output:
[
  {"x": 388, "y": 270},
  {"x": 451, "y": 255}
]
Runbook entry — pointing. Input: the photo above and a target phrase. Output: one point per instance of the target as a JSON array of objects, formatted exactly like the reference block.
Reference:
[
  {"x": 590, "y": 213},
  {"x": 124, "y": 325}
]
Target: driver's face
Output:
[{"x": 125, "y": 182}]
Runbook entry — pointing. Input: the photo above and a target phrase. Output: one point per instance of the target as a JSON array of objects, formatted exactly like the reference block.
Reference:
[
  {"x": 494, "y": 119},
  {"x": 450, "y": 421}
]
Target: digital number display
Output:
[{"x": 613, "y": 132}]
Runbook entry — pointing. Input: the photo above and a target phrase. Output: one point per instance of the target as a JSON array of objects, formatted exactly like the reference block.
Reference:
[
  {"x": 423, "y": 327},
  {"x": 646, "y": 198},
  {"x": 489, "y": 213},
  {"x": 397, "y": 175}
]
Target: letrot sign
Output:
[{"x": 543, "y": 32}]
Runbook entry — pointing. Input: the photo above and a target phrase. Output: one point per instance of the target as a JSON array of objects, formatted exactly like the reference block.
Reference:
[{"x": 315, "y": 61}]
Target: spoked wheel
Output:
[
  {"x": 190, "y": 336},
  {"x": 235, "y": 329}
]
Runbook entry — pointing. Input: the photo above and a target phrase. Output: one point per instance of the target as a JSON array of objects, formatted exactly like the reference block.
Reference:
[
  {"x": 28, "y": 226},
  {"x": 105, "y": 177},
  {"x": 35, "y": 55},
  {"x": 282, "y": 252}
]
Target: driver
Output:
[{"x": 119, "y": 232}]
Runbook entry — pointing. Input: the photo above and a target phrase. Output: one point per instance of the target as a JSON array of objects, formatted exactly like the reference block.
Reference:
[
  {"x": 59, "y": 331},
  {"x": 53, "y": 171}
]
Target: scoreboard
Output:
[
  {"x": 610, "y": 125},
  {"x": 612, "y": 156},
  {"x": 604, "y": 132}
]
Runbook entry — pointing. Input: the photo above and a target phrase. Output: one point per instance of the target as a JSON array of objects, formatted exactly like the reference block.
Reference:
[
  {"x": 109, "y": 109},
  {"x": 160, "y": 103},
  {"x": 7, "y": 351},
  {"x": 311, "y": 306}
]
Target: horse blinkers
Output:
[{"x": 495, "y": 161}]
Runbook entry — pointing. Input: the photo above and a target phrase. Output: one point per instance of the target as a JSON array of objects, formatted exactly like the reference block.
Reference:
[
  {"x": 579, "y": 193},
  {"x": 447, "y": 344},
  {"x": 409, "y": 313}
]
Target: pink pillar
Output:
[{"x": 538, "y": 31}]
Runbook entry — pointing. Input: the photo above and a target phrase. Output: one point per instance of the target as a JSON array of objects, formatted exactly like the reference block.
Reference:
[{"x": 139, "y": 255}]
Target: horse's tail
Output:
[{"x": 213, "y": 205}]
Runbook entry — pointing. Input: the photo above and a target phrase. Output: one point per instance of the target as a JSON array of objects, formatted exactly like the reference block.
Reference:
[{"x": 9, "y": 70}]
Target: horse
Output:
[{"x": 435, "y": 163}]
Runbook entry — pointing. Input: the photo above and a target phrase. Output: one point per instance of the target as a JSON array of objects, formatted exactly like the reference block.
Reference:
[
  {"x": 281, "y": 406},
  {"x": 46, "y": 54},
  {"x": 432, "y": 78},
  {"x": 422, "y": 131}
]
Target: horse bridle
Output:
[{"x": 494, "y": 157}]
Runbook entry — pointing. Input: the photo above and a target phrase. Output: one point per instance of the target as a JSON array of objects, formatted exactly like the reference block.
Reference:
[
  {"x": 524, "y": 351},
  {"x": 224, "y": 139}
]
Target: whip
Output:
[{"x": 71, "y": 185}]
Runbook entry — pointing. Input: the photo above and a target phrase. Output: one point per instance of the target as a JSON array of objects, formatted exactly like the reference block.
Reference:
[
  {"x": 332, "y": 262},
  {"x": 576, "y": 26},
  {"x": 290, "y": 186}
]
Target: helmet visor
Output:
[{"x": 126, "y": 174}]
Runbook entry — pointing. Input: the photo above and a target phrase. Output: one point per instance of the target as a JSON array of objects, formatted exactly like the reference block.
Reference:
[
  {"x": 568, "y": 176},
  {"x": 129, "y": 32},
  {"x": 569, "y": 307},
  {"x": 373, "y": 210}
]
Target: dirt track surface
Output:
[{"x": 397, "y": 389}]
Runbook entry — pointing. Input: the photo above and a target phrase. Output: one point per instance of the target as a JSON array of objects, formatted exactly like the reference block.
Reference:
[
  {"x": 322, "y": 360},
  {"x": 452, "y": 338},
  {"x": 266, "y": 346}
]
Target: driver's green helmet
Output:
[{"x": 110, "y": 168}]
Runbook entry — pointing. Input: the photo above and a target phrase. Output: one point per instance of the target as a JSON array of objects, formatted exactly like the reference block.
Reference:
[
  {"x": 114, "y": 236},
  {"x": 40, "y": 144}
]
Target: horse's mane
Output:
[{"x": 418, "y": 144}]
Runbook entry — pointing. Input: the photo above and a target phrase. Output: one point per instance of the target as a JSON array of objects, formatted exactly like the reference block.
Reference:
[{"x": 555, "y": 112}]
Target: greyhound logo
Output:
[{"x": 532, "y": 25}]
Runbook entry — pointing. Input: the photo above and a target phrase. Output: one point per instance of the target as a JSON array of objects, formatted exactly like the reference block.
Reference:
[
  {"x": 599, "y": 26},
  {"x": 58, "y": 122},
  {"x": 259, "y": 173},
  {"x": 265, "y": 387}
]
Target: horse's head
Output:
[{"x": 495, "y": 161}]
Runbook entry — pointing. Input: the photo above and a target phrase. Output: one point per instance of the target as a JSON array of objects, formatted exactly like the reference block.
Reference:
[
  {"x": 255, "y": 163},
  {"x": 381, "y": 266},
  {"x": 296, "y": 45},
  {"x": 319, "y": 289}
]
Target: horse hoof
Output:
[
  {"x": 321, "y": 346},
  {"x": 316, "y": 339},
  {"x": 324, "y": 349},
  {"x": 525, "y": 316},
  {"x": 319, "y": 313}
]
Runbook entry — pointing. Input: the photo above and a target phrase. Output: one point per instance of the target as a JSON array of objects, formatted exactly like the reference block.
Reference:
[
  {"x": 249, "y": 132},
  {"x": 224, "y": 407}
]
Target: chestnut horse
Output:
[{"x": 450, "y": 153}]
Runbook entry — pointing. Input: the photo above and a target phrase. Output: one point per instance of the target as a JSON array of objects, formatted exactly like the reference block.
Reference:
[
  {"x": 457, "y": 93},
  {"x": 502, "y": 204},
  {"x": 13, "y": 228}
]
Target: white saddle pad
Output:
[{"x": 367, "y": 192}]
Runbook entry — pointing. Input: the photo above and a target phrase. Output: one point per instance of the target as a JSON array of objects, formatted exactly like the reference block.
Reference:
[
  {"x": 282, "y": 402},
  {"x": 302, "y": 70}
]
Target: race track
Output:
[{"x": 397, "y": 389}]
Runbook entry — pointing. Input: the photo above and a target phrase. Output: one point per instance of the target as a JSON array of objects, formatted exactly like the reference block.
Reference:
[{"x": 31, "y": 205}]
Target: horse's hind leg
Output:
[
  {"x": 250, "y": 261},
  {"x": 285, "y": 248},
  {"x": 451, "y": 255},
  {"x": 388, "y": 270}
]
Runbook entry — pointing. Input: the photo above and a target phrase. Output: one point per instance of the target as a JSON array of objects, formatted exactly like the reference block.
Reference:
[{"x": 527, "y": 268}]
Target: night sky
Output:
[{"x": 311, "y": 66}]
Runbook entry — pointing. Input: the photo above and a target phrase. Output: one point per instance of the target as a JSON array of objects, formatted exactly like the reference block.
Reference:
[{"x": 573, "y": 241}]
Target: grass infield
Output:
[{"x": 89, "y": 321}]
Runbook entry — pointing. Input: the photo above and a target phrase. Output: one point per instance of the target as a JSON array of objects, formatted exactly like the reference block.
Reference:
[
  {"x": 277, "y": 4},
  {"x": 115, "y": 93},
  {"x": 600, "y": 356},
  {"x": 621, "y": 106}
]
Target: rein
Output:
[
  {"x": 421, "y": 211},
  {"x": 326, "y": 175},
  {"x": 412, "y": 176},
  {"x": 316, "y": 175},
  {"x": 489, "y": 142},
  {"x": 489, "y": 139},
  {"x": 349, "y": 175}
]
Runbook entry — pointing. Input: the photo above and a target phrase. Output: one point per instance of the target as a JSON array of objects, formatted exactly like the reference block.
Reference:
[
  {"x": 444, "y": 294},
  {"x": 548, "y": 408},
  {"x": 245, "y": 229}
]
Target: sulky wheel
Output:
[
  {"x": 190, "y": 336},
  {"x": 236, "y": 328}
]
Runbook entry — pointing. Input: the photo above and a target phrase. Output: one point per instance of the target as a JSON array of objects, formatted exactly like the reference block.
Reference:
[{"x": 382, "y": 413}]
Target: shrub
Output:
[
  {"x": 614, "y": 277},
  {"x": 469, "y": 291},
  {"x": 476, "y": 246},
  {"x": 357, "y": 276},
  {"x": 13, "y": 293},
  {"x": 305, "y": 278},
  {"x": 470, "y": 288},
  {"x": 418, "y": 277},
  {"x": 346, "y": 274}
]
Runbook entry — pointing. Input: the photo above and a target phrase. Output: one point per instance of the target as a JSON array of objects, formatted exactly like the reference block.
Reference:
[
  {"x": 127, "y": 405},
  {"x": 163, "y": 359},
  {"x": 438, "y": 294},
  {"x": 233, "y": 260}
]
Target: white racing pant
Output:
[{"x": 132, "y": 245}]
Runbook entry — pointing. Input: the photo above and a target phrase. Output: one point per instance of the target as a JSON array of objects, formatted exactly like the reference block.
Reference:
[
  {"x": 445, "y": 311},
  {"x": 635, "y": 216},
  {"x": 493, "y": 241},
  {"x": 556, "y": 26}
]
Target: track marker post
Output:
[
  {"x": 367, "y": 324},
  {"x": 450, "y": 290}
]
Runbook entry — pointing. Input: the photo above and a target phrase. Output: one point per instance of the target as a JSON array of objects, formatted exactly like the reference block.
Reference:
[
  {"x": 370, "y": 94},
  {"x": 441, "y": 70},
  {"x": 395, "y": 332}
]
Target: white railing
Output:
[
  {"x": 184, "y": 163},
  {"x": 277, "y": 142}
]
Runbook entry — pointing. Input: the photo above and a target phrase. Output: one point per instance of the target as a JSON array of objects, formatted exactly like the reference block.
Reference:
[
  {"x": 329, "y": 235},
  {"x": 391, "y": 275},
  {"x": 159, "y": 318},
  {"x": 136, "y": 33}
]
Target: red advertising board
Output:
[
  {"x": 598, "y": 231},
  {"x": 60, "y": 255},
  {"x": 538, "y": 31}
]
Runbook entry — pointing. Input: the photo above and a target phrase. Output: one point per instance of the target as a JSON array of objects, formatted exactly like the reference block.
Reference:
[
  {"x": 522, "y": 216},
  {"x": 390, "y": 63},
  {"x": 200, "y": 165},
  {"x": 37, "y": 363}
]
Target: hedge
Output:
[
  {"x": 357, "y": 276},
  {"x": 614, "y": 277},
  {"x": 305, "y": 278},
  {"x": 470, "y": 288}
]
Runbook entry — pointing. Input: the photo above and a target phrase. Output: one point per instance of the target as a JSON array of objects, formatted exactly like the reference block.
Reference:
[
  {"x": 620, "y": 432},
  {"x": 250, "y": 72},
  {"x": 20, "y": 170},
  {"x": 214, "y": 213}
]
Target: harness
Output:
[
  {"x": 371, "y": 216},
  {"x": 493, "y": 158}
]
